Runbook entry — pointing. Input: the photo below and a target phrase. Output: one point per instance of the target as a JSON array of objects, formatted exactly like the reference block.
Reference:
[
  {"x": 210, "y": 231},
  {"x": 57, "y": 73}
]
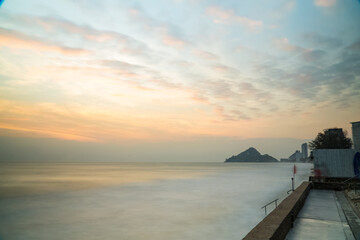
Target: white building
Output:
[
  {"x": 295, "y": 157},
  {"x": 304, "y": 150},
  {"x": 338, "y": 162},
  {"x": 356, "y": 135}
]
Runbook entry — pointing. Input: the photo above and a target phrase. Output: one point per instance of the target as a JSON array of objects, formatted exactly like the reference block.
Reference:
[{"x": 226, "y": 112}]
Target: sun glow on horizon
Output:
[{"x": 221, "y": 70}]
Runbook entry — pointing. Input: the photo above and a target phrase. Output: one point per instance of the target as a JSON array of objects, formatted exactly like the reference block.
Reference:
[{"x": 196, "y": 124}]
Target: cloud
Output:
[
  {"x": 354, "y": 46},
  {"x": 322, "y": 41},
  {"x": 289, "y": 6},
  {"x": 313, "y": 55},
  {"x": 56, "y": 28},
  {"x": 86, "y": 122},
  {"x": 230, "y": 115},
  {"x": 173, "y": 41},
  {"x": 14, "y": 39},
  {"x": 199, "y": 98},
  {"x": 282, "y": 11},
  {"x": 220, "y": 89},
  {"x": 306, "y": 83},
  {"x": 250, "y": 92},
  {"x": 168, "y": 34},
  {"x": 205, "y": 55},
  {"x": 46, "y": 120},
  {"x": 223, "y": 16},
  {"x": 223, "y": 69},
  {"x": 284, "y": 44},
  {"x": 142, "y": 75},
  {"x": 233, "y": 101},
  {"x": 304, "y": 53},
  {"x": 35, "y": 132},
  {"x": 325, "y": 3},
  {"x": 123, "y": 68}
]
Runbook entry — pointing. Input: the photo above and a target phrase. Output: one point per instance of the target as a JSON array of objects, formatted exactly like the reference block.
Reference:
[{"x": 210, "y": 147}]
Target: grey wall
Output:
[{"x": 334, "y": 162}]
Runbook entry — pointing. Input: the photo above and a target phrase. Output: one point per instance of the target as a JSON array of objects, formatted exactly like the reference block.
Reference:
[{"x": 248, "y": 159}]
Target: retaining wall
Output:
[{"x": 277, "y": 224}]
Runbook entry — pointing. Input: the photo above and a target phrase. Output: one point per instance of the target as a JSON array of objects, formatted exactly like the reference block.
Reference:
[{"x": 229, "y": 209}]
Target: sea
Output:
[{"x": 134, "y": 201}]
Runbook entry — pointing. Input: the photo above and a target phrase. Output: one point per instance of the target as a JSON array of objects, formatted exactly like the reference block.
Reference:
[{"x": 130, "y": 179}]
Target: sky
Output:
[{"x": 174, "y": 80}]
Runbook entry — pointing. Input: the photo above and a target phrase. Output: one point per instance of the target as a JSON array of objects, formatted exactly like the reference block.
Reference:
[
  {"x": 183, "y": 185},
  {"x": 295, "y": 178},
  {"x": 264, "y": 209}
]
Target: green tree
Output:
[{"x": 332, "y": 138}]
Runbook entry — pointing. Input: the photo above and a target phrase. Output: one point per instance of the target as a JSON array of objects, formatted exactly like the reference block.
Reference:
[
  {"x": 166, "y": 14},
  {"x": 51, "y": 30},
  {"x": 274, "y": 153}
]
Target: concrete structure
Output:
[
  {"x": 322, "y": 217},
  {"x": 304, "y": 150},
  {"x": 277, "y": 224},
  {"x": 356, "y": 135},
  {"x": 334, "y": 162}
]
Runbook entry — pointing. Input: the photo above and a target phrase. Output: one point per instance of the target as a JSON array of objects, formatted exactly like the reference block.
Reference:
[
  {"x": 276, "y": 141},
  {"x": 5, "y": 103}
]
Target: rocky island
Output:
[{"x": 251, "y": 155}]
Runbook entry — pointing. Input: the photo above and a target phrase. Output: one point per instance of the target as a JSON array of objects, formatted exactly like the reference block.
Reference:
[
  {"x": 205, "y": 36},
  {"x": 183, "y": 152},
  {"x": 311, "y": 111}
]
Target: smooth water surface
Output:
[{"x": 139, "y": 200}]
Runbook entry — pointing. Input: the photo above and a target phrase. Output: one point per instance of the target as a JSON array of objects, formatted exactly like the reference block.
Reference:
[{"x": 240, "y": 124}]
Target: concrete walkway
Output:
[{"x": 321, "y": 218}]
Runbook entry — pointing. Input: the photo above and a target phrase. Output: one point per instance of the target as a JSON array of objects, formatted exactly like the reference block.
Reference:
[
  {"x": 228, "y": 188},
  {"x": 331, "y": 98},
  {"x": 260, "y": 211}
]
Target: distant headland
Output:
[{"x": 251, "y": 155}]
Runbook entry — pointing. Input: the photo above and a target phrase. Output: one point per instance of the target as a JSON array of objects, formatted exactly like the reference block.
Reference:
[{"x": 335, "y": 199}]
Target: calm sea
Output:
[{"x": 132, "y": 201}]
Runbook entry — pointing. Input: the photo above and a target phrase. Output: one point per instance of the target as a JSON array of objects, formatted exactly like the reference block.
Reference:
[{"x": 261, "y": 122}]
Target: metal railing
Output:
[
  {"x": 351, "y": 178},
  {"x": 269, "y": 204},
  {"x": 348, "y": 186},
  {"x": 291, "y": 190}
]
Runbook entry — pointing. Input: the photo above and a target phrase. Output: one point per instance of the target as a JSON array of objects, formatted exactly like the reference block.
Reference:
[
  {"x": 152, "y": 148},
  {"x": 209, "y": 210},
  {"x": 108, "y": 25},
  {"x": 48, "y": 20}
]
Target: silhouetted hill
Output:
[{"x": 251, "y": 155}]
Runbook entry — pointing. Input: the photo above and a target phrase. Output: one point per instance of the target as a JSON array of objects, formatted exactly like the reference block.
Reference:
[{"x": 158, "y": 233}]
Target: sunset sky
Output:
[{"x": 190, "y": 74}]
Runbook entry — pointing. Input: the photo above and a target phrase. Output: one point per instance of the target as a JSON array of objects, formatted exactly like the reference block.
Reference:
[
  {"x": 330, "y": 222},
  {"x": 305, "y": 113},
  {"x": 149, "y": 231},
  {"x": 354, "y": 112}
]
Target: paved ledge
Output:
[
  {"x": 322, "y": 217},
  {"x": 277, "y": 224}
]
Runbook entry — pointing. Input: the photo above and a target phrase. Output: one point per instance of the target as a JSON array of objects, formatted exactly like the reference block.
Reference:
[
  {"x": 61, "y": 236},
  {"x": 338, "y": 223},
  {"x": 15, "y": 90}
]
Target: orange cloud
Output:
[
  {"x": 200, "y": 99},
  {"x": 284, "y": 44},
  {"x": 92, "y": 123},
  {"x": 14, "y": 39},
  {"x": 325, "y": 3},
  {"x": 228, "y": 16},
  {"x": 205, "y": 55},
  {"x": 221, "y": 68},
  {"x": 48, "y": 133},
  {"x": 54, "y": 26},
  {"x": 173, "y": 41}
]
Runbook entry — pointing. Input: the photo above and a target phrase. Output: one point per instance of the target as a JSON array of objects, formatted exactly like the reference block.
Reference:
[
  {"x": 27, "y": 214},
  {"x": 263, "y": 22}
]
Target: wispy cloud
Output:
[
  {"x": 355, "y": 46},
  {"x": 314, "y": 84},
  {"x": 249, "y": 91},
  {"x": 284, "y": 44},
  {"x": 325, "y": 3},
  {"x": 305, "y": 53},
  {"x": 14, "y": 39},
  {"x": 57, "y": 28},
  {"x": 319, "y": 40},
  {"x": 283, "y": 10},
  {"x": 224, "y": 16},
  {"x": 173, "y": 41},
  {"x": 167, "y": 33},
  {"x": 144, "y": 72},
  {"x": 205, "y": 55}
]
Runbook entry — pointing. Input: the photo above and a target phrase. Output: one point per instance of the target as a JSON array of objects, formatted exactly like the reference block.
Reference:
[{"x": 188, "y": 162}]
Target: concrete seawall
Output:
[{"x": 278, "y": 223}]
